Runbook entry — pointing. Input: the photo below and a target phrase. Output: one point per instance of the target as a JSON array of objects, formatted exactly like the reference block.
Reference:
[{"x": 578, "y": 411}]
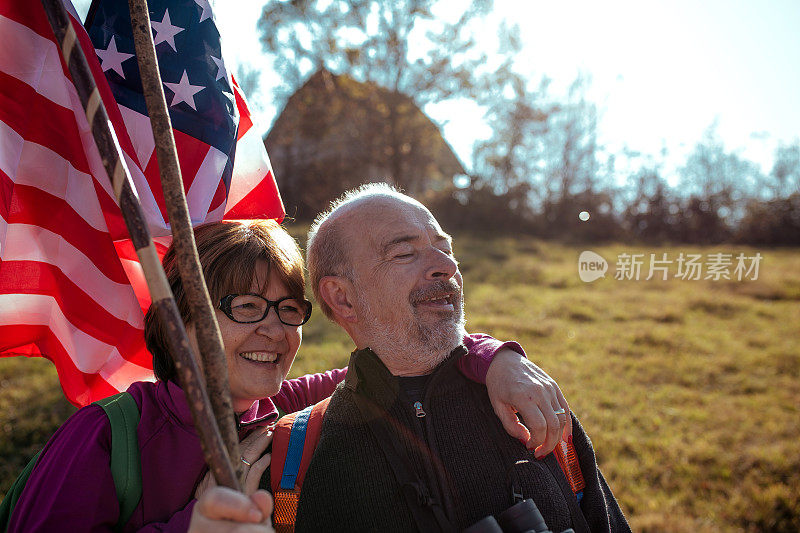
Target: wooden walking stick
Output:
[
  {"x": 209, "y": 340},
  {"x": 214, "y": 448}
]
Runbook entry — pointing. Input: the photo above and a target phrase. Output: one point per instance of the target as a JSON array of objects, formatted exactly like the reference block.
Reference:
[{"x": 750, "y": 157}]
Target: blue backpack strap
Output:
[
  {"x": 293, "y": 444},
  {"x": 294, "y": 452},
  {"x": 126, "y": 468}
]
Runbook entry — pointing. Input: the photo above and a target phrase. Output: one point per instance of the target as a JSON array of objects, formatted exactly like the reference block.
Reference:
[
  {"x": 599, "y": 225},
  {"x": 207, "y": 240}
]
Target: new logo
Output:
[{"x": 591, "y": 266}]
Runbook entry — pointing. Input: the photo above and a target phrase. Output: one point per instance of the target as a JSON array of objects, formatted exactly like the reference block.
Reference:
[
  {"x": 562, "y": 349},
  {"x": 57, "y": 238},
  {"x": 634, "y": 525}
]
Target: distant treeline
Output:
[
  {"x": 543, "y": 167},
  {"x": 718, "y": 195},
  {"x": 562, "y": 192},
  {"x": 663, "y": 218}
]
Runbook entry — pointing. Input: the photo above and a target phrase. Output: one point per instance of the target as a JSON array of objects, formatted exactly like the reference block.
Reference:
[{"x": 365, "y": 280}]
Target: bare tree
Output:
[
  {"x": 421, "y": 50},
  {"x": 784, "y": 178}
]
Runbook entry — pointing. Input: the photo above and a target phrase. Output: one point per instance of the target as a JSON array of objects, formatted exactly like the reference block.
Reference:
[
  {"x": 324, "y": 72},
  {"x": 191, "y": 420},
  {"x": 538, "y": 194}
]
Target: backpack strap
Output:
[
  {"x": 10, "y": 500},
  {"x": 293, "y": 443},
  {"x": 123, "y": 413},
  {"x": 126, "y": 468}
]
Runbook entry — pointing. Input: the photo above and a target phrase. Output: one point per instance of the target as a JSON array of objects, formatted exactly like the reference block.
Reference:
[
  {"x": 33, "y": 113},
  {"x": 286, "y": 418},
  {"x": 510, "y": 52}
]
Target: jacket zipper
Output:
[{"x": 426, "y": 425}]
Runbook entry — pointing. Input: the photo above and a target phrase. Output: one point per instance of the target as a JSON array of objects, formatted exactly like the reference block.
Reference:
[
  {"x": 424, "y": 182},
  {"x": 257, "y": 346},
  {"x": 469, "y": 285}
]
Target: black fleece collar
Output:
[{"x": 367, "y": 374}]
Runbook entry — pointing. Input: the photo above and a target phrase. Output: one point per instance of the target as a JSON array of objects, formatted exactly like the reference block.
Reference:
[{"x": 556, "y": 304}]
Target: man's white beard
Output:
[{"x": 412, "y": 346}]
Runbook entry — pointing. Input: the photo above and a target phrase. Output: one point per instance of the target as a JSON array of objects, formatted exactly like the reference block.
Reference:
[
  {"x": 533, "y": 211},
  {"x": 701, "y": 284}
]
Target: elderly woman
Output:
[{"x": 254, "y": 273}]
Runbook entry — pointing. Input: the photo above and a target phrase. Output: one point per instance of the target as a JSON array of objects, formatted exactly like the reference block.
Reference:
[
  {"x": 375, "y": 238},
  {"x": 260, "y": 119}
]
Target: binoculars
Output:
[{"x": 522, "y": 517}]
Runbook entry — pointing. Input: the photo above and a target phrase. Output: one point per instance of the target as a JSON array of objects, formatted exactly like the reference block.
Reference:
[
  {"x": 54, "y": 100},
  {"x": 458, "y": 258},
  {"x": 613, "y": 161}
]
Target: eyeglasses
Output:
[{"x": 249, "y": 308}]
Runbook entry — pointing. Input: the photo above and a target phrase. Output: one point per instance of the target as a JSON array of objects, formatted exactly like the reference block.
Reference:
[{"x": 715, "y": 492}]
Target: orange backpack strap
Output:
[
  {"x": 293, "y": 444},
  {"x": 568, "y": 461}
]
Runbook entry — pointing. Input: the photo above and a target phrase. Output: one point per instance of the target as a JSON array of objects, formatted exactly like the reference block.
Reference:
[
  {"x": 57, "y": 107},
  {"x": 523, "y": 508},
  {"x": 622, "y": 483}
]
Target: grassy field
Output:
[{"x": 690, "y": 390}]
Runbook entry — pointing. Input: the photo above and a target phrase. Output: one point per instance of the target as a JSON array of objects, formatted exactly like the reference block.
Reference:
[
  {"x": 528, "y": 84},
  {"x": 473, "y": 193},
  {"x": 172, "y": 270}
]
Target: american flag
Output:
[{"x": 71, "y": 289}]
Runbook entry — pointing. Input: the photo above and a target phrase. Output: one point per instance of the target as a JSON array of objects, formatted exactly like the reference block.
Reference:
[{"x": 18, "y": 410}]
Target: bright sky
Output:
[{"x": 662, "y": 72}]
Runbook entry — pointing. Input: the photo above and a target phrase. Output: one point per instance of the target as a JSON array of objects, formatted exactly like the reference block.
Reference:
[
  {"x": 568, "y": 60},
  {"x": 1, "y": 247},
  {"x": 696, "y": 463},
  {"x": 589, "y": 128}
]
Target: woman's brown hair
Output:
[{"x": 228, "y": 252}]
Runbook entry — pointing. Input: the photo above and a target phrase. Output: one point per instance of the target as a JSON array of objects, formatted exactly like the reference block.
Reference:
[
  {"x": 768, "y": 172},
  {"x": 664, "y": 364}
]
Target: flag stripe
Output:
[
  {"x": 217, "y": 208},
  {"x": 254, "y": 172},
  {"x": 108, "y": 205},
  {"x": 88, "y": 354},
  {"x": 245, "y": 122},
  {"x": 58, "y": 218},
  {"x": 193, "y": 152},
  {"x": 77, "y": 305},
  {"x": 35, "y": 21},
  {"x": 202, "y": 191},
  {"x": 255, "y": 205},
  {"x": 6, "y": 191},
  {"x": 155, "y": 211},
  {"x": 80, "y": 388},
  {"x": 140, "y": 132},
  {"x": 25, "y": 161},
  {"x": 26, "y": 242},
  {"x": 138, "y": 282},
  {"x": 31, "y": 57},
  {"x": 129, "y": 259},
  {"x": 44, "y": 123}
]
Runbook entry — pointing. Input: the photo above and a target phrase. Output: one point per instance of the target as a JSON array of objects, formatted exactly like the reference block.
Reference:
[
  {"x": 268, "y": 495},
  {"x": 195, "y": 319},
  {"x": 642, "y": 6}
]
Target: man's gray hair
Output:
[{"x": 327, "y": 249}]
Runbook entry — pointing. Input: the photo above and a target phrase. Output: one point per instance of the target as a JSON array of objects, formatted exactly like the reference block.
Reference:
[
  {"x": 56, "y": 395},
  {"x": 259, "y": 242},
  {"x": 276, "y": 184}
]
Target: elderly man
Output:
[{"x": 407, "y": 442}]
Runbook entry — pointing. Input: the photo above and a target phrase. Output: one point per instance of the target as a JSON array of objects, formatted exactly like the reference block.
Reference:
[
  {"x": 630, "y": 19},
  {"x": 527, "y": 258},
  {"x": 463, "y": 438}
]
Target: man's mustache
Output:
[{"x": 437, "y": 289}]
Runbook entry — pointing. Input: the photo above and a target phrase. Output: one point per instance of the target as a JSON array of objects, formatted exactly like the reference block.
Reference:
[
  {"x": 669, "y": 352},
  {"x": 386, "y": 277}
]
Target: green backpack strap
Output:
[
  {"x": 126, "y": 468},
  {"x": 123, "y": 413},
  {"x": 10, "y": 500}
]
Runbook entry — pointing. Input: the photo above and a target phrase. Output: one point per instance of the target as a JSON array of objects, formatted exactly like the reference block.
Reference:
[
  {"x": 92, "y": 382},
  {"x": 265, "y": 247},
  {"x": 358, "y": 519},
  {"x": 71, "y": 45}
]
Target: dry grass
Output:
[{"x": 690, "y": 390}]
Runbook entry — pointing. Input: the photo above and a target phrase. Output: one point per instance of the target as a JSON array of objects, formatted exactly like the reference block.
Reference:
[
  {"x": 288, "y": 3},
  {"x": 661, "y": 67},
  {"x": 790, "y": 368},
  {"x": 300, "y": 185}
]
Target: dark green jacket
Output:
[{"x": 459, "y": 451}]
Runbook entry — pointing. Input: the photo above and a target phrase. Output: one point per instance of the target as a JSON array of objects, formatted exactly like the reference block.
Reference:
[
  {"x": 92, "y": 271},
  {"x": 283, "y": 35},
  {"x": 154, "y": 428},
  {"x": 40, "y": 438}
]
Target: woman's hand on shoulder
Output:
[
  {"x": 516, "y": 385},
  {"x": 221, "y": 509}
]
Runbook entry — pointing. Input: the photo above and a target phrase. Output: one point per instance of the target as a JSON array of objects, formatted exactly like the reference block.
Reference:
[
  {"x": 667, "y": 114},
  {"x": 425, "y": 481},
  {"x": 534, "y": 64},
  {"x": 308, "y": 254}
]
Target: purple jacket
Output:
[{"x": 71, "y": 487}]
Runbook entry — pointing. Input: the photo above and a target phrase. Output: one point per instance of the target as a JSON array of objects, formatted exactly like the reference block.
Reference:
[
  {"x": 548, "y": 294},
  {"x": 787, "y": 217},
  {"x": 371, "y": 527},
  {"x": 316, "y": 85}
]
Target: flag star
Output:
[
  {"x": 221, "y": 72},
  {"x": 206, "y": 14},
  {"x": 165, "y": 31},
  {"x": 184, "y": 91},
  {"x": 111, "y": 58},
  {"x": 231, "y": 106}
]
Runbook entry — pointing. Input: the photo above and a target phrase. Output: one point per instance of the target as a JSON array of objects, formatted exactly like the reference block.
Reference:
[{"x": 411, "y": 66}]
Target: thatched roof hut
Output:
[{"x": 336, "y": 133}]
